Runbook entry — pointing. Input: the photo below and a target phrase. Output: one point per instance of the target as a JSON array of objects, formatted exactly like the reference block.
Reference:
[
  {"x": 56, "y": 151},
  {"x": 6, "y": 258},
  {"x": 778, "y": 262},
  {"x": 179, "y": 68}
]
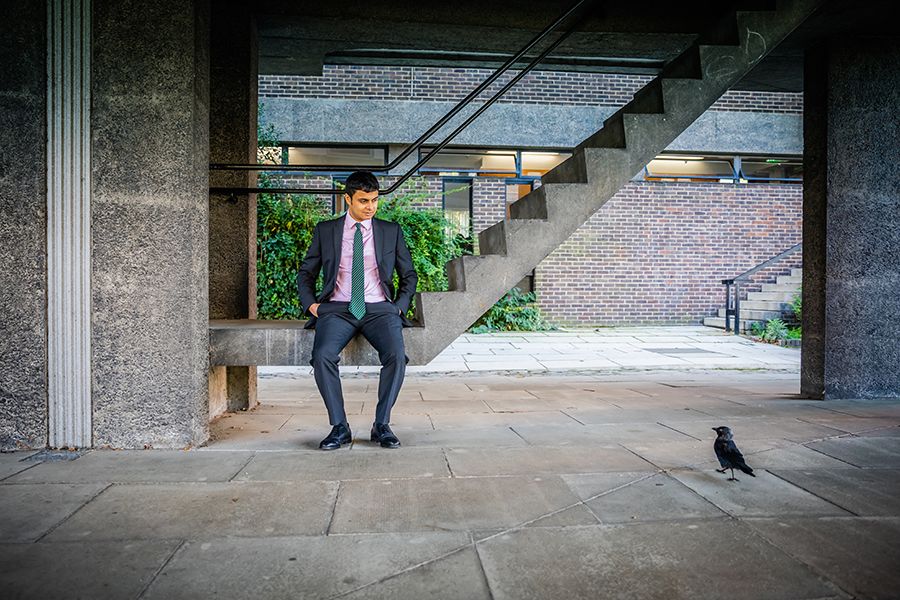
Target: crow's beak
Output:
[{"x": 715, "y": 428}]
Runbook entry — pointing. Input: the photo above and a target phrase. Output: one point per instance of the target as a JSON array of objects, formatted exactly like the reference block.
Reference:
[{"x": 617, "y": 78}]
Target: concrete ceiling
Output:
[{"x": 615, "y": 37}]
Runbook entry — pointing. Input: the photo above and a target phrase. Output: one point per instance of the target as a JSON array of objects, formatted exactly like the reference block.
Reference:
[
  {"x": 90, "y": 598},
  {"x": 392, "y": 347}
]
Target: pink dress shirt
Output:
[{"x": 374, "y": 292}]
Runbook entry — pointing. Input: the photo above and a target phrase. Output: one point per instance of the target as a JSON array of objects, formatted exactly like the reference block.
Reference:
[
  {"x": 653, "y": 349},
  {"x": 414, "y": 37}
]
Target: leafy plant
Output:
[
  {"x": 516, "y": 311},
  {"x": 795, "y": 333},
  {"x": 757, "y": 329},
  {"x": 775, "y": 330}
]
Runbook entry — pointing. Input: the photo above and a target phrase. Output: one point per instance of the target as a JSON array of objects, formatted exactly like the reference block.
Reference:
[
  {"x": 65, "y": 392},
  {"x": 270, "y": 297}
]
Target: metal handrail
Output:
[
  {"x": 735, "y": 309},
  {"x": 421, "y": 140}
]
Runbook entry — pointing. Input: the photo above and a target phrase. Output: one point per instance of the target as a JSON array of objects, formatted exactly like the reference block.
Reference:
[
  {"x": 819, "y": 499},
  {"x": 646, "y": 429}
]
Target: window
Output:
[
  {"x": 538, "y": 163},
  {"x": 772, "y": 170},
  {"x": 690, "y": 168},
  {"x": 349, "y": 156},
  {"x": 724, "y": 169},
  {"x": 515, "y": 189},
  {"x": 457, "y": 197},
  {"x": 457, "y": 161}
]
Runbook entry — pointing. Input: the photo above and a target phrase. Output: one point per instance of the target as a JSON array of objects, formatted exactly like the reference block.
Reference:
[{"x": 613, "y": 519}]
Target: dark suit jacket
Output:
[{"x": 325, "y": 254}]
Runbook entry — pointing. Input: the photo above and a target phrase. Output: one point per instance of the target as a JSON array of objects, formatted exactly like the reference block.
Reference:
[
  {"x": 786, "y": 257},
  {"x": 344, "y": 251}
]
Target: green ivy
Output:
[{"x": 516, "y": 311}]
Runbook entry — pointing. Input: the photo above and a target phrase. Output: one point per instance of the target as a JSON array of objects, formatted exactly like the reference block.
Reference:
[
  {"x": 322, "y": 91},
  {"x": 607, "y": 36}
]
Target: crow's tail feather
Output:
[{"x": 743, "y": 467}]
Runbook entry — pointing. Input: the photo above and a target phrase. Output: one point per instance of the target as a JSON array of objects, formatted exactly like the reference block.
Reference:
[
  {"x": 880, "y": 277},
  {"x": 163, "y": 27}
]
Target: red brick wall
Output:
[
  {"x": 541, "y": 87},
  {"x": 657, "y": 252}
]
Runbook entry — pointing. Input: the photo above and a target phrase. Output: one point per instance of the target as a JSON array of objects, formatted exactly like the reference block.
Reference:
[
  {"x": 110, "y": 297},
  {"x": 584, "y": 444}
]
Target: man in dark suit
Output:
[{"x": 358, "y": 254}]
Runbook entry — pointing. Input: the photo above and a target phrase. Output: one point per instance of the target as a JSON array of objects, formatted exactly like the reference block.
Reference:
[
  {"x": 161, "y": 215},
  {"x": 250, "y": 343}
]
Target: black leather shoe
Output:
[
  {"x": 382, "y": 434},
  {"x": 340, "y": 435}
]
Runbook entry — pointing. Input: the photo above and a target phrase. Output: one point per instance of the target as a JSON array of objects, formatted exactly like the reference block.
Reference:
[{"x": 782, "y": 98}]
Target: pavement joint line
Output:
[
  {"x": 447, "y": 460},
  {"x": 280, "y": 427},
  {"x": 431, "y": 420},
  {"x": 822, "y": 452},
  {"x": 31, "y": 466},
  {"x": 679, "y": 431},
  {"x": 812, "y": 569},
  {"x": 492, "y": 536},
  {"x": 571, "y": 417},
  {"x": 337, "y": 494},
  {"x": 181, "y": 544},
  {"x": 520, "y": 436},
  {"x": 243, "y": 466},
  {"x": 71, "y": 514},
  {"x": 808, "y": 491},
  {"x": 487, "y": 581}
]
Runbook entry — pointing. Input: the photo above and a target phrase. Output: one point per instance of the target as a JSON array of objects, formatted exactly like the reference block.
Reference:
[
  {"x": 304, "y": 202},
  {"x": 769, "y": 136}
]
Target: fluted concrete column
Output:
[
  {"x": 851, "y": 231},
  {"x": 232, "y": 220}
]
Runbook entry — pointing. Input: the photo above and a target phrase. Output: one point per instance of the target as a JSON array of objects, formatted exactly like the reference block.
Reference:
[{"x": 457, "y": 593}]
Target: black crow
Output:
[{"x": 728, "y": 454}]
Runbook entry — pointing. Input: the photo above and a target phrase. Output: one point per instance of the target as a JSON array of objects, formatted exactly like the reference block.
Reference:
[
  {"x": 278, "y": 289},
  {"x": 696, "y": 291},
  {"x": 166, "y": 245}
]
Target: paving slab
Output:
[
  {"x": 697, "y": 559},
  {"x": 14, "y": 462},
  {"x": 458, "y": 504},
  {"x": 669, "y": 455},
  {"x": 455, "y": 577},
  {"x": 865, "y": 492},
  {"x": 874, "y": 452},
  {"x": 793, "y": 456},
  {"x": 501, "y": 419},
  {"x": 95, "y": 570},
  {"x": 296, "y": 567},
  {"x": 344, "y": 465},
  {"x": 760, "y": 496},
  {"x": 468, "y": 462},
  {"x": 136, "y": 466},
  {"x": 858, "y": 554},
  {"x": 202, "y": 510},
  {"x": 564, "y": 435},
  {"x": 599, "y": 416},
  {"x": 289, "y": 438},
  {"x": 748, "y": 429},
  {"x": 28, "y": 511},
  {"x": 655, "y": 498},
  {"x": 441, "y": 407},
  {"x": 481, "y": 437},
  {"x": 251, "y": 421}
]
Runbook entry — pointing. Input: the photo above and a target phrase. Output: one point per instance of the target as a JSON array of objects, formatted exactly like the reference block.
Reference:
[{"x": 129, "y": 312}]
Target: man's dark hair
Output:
[{"x": 360, "y": 180}]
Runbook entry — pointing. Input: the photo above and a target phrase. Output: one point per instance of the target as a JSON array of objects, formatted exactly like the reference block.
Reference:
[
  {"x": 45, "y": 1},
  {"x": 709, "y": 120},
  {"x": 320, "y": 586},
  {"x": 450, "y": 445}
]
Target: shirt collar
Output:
[{"x": 350, "y": 222}]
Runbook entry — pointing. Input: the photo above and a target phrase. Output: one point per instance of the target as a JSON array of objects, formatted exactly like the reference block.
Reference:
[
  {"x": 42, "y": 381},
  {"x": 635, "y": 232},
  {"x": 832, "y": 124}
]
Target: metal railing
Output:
[
  {"x": 733, "y": 309},
  {"x": 576, "y": 8}
]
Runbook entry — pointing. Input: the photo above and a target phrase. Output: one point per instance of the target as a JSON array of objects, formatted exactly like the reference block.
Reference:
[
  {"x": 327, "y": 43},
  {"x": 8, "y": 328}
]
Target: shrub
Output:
[
  {"x": 775, "y": 330},
  {"x": 516, "y": 311}
]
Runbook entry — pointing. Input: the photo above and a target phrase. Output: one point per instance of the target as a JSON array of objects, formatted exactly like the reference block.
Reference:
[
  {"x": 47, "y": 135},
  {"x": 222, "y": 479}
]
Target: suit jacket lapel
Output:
[
  {"x": 378, "y": 236},
  {"x": 338, "y": 232}
]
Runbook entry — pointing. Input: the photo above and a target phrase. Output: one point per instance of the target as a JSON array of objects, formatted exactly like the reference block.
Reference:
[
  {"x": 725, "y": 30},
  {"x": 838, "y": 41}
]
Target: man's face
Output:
[{"x": 362, "y": 205}]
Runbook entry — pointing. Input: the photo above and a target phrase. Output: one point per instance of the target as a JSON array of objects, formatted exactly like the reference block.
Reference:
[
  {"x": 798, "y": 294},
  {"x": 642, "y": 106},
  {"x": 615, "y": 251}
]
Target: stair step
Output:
[
  {"x": 784, "y": 287},
  {"x": 771, "y": 296},
  {"x": 758, "y": 315},
  {"x": 765, "y": 305},
  {"x": 797, "y": 273},
  {"x": 790, "y": 279}
]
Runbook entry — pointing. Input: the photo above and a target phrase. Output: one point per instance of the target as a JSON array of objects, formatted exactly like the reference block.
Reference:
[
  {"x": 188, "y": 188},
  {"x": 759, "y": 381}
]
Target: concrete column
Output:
[
  {"x": 150, "y": 219},
  {"x": 23, "y": 225},
  {"x": 232, "y": 220},
  {"x": 851, "y": 274}
]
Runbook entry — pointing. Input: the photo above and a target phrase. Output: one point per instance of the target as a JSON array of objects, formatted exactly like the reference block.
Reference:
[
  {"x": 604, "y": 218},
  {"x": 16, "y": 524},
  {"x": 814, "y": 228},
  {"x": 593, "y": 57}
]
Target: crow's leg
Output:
[{"x": 733, "y": 478}]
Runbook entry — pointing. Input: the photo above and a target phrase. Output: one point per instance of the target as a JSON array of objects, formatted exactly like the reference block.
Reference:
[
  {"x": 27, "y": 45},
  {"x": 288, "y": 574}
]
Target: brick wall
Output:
[
  {"x": 657, "y": 252},
  {"x": 450, "y": 84}
]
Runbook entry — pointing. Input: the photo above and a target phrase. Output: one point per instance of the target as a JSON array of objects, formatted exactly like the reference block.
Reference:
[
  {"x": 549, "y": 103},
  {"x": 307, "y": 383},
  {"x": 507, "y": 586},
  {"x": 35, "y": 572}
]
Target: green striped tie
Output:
[{"x": 358, "y": 277}]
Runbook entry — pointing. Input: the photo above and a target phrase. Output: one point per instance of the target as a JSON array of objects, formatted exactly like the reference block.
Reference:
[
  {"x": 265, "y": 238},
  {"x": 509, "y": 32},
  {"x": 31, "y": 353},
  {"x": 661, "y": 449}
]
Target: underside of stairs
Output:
[
  {"x": 773, "y": 301},
  {"x": 541, "y": 221}
]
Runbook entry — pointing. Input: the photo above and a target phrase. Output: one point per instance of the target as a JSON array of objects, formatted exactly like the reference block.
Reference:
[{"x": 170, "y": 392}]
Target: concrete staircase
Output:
[
  {"x": 572, "y": 192},
  {"x": 772, "y": 302}
]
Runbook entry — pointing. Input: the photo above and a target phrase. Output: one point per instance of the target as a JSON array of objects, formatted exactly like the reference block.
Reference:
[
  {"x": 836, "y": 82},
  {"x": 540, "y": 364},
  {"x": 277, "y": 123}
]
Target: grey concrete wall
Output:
[
  {"x": 23, "y": 226},
  {"x": 862, "y": 282},
  {"x": 232, "y": 220},
  {"x": 519, "y": 125},
  {"x": 150, "y": 222}
]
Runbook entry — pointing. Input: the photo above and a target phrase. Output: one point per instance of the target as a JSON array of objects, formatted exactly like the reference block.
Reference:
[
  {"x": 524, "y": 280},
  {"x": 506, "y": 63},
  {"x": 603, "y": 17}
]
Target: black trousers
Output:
[{"x": 335, "y": 327}]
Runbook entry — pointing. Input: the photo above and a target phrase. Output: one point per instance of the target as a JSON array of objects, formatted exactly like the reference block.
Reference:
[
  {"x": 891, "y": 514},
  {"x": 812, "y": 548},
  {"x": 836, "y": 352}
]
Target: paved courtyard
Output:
[{"x": 563, "y": 483}]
